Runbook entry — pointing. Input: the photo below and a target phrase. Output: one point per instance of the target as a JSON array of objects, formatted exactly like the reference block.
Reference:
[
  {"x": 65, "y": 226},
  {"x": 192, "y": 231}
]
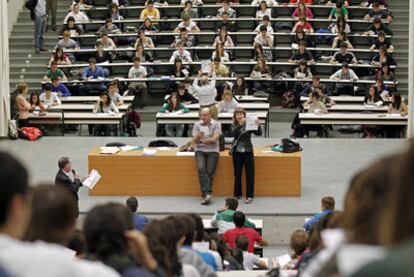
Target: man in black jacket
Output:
[{"x": 63, "y": 179}]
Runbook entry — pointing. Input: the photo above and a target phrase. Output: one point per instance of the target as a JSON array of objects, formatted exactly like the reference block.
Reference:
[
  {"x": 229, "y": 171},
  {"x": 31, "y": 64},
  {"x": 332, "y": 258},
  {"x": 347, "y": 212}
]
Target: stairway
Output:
[
  {"x": 400, "y": 11},
  {"x": 25, "y": 64}
]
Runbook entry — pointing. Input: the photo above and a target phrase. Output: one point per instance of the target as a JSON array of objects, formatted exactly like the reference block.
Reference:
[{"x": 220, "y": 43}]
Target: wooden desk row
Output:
[
  {"x": 353, "y": 119},
  {"x": 223, "y": 118},
  {"x": 131, "y": 173}
]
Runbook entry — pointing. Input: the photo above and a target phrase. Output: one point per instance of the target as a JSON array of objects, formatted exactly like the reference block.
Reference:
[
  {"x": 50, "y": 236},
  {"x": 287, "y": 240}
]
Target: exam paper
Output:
[
  {"x": 283, "y": 260},
  {"x": 109, "y": 150},
  {"x": 205, "y": 66},
  {"x": 185, "y": 154},
  {"x": 92, "y": 179},
  {"x": 251, "y": 122}
]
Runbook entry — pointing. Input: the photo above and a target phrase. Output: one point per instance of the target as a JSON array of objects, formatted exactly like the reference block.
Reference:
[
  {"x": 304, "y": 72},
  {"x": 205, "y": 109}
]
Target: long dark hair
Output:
[
  {"x": 56, "y": 56},
  {"x": 31, "y": 99},
  {"x": 172, "y": 106},
  {"x": 396, "y": 104},
  {"x": 243, "y": 85},
  {"x": 108, "y": 103}
]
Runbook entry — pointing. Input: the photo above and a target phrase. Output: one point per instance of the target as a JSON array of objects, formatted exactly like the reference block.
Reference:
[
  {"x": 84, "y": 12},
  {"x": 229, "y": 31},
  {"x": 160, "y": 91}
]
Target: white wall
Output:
[
  {"x": 4, "y": 67},
  {"x": 13, "y": 7}
]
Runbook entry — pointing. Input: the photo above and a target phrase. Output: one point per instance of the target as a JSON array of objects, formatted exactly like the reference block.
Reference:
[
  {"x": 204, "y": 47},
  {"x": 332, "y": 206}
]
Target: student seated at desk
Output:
[
  {"x": 265, "y": 22},
  {"x": 223, "y": 217},
  {"x": 382, "y": 41},
  {"x": 49, "y": 98},
  {"x": 220, "y": 69},
  {"x": 184, "y": 38},
  {"x": 224, "y": 39},
  {"x": 340, "y": 26},
  {"x": 70, "y": 26},
  {"x": 333, "y": 2},
  {"x": 314, "y": 105},
  {"x": 316, "y": 82},
  {"x": 343, "y": 55},
  {"x": 181, "y": 54},
  {"x": 220, "y": 53},
  {"x": 228, "y": 104},
  {"x": 263, "y": 10},
  {"x": 383, "y": 57},
  {"x": 80, "y": 17},
  {"x": 188, "y": 24},
  {"x": 226, "y": 8},
  {"x": 327, "y": 207},
  {"x": 264, "y": 40},
  {"x": 115, "y": 14},
  {"x": 378, "y": 26},
  {"x": 268, "y": 2},
  {"x": 108, "y": 28},
  {"x": 304, "y": 25},
  {"x": 338, "y": 11},
  {"x": 239, "y": 87},
  {"x": 302, "y": 72},
  {"x": 372, "y": 96},
  {"x": 174, "y": 105},
  {"x": 59, "y": 57},
  {"x": 54, "y": 72},
  {"x": 150, "y": 11},
  {"x": 184, "y": 96},
  {"x": 260, "y": 71},
  {"x": 326, "y": 100},
  {"x": 104, "y": 105},
  {"x": 136, "y": 87},
  {"x": 377, "y": 12},
  {"x": 59, "y": 88},
  {"x": 397, "y": 106},
  {"x": 189, "y": 10},
  {"x": 345, "y": 73},
  {"x": 113, "y": 93},
  {"x": 106, "y": 41},
  {"x": 225, "y": 22},
  {"x": 66, "y": 43},
  {"x": 239, "y": 221},
  {"x": 340, "y": 39},
  {"x": 93, "y": 72},
  {"x": 385, "y": 73},
  {"x": 103, "y": 56},
  {"x": 298, "y": 245},
  {"x": 302, "y": 10},
  {"x": 148, "y": 27},
  {"x": 302, "y": 54},
  {"x": 35, "y": 104},
  {"x": 147, "y": 42},
  {"x": 250, "y": 260}
]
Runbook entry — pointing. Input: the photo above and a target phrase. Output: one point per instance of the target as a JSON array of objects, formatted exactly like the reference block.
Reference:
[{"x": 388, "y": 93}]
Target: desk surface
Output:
[
  {"x": 356, "y": 108},
  {"x": 353, "y": 119}
]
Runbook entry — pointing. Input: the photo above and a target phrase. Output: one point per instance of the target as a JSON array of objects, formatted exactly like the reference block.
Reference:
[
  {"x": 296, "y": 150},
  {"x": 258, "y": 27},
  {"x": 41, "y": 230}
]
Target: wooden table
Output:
[{"x": 131, "y": 173}]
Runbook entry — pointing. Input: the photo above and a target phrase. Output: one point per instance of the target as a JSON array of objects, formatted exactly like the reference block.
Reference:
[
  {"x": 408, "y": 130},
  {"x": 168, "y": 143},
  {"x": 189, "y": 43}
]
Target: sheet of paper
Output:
[
  {"x": 185, "y": 71},
  {"x": 92, "y": 179},
  {"x": 149, "y": 152},
  {"x": 205, "y": 67},
  {"x": 283, "y": 260},
  {"x": 205, "y": 130},
  {"x": 163, "y": 148},
  {"x": 109, "y": 150},
  {"x": 251, "y": 122},
  {"x": 185, "y": 154}
]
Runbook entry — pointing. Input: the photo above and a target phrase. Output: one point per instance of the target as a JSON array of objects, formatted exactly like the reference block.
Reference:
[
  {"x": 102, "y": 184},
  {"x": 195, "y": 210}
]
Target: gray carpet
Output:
[{"x": 327, "y": 166}]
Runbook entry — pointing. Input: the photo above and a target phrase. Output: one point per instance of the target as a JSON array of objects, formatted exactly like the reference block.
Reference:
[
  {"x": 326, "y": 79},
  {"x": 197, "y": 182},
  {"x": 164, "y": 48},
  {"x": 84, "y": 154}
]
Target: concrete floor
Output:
[{"x": 327, "y": 167}]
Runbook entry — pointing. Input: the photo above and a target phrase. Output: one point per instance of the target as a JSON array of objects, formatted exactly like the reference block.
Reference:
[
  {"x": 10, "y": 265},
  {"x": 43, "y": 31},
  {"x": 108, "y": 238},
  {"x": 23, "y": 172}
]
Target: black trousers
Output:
[{"x": 246, "y": 159}]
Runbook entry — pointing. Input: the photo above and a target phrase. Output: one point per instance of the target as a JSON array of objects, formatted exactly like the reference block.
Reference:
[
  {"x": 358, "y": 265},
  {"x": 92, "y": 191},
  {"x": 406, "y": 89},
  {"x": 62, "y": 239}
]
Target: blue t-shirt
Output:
[
  {"x": 140, "y": 221},
  {"x": 308, "y": 224}
]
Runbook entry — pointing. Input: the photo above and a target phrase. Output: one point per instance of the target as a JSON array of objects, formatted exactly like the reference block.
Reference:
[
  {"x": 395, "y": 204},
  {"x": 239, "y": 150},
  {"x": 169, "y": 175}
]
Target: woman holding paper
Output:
[
  {"x": 242, "y": 151},
  {"x": 174, "y": 105}
]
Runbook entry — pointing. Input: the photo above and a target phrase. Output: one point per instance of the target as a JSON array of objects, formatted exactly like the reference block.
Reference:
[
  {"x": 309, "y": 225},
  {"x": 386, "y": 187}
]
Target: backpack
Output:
[
  {"x": 290, "y": 145},
  {"x": 31, "y": 5},
  {"x": 31, "y": 133},
  {"x": 288, "y": 99},
  {"x": 162, "y": 143},
  {"x": 13, "y": 130}
]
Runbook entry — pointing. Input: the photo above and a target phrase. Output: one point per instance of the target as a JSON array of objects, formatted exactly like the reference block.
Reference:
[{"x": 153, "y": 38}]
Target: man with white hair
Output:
[
  {"x": 206, "y": 92},
  {"x": 206, "y": 134}
]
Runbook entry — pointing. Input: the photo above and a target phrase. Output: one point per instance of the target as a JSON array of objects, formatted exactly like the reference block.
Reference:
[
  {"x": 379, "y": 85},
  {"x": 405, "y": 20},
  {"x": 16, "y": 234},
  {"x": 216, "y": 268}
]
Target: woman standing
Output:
[{"x": 243, "y": 154}]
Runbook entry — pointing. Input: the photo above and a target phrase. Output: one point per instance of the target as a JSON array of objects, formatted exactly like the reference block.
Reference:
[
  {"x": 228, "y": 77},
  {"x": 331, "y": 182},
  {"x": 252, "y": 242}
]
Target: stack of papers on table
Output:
[
  {"x": 131, "y": 148},
  {"x": 149, "y": 152},
  {"x": 110, "y": 150},
  {"x": 185, "y": 154}
]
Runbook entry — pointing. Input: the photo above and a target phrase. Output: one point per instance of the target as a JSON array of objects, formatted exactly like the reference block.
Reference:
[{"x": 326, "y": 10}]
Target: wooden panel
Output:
[{"x": 130, "y": 173}]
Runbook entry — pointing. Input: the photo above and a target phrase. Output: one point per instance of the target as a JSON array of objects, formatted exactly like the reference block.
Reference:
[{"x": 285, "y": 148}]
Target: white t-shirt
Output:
[
  {"x": 36, "y": 259},
  {"x": 80, "y": 17},
  {"x": 190, "y": 26},
  {"x": 269, "y": 29},
  {"x": 185, "y": 56},
  {"x": 54, "y": 99},
  {"x": 139, "y": 72},
  {"x": 250, "y": 260}
]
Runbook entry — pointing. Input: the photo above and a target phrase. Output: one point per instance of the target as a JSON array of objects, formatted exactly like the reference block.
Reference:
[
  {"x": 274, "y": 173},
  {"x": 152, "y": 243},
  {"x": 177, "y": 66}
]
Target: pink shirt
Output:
[{"x": 308, "y": 14}]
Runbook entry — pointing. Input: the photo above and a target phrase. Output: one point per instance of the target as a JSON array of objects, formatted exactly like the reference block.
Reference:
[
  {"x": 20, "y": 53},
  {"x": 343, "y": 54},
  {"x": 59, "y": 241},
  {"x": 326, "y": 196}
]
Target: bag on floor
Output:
[
  {"x": 288, "y": 99},
  {"x": 31, "y": 133},
  {"x": 13, "y": 130}
]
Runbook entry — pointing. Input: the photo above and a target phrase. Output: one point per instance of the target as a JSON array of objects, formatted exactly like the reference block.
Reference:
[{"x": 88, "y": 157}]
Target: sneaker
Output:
[
  {"x": 248, "y": 200},
  {"x": 206, "y": 200}
]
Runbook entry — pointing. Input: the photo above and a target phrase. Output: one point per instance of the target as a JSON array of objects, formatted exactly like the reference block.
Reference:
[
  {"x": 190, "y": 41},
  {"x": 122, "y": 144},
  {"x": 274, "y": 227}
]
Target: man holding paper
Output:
[
  {"x": 242, "y": 151},
  {"x": 205, "y": 143},
  {"x": 64, "y": 179}
]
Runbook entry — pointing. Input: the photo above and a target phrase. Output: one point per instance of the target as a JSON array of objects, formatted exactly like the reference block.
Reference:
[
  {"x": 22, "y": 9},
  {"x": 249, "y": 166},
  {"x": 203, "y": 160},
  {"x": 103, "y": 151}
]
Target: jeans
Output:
[
  {"x": 40, "y": 29},
  {"x": 246, "y": 159},
  {"x": 206, "y": 166},
  {"x": 174, "y": 130}
]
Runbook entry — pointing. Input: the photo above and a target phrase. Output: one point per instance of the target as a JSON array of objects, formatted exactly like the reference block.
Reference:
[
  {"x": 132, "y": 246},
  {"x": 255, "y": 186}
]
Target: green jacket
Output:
[
  {"x": 227, "y": 216},
  {"x": 166, "y": 107}
]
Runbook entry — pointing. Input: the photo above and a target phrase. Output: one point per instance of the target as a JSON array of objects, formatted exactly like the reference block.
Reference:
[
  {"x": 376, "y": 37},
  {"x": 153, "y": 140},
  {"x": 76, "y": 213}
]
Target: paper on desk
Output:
[
  {"x": 109, "y": 150},
  {"x": 163, "y": 148},
  {"x": 185, "y": 154},
  {"x": 130, "y": 148},
  {"x": 92, "y": 179},
  {"x": 283, "y": 260},
  {"x": 149, "y": 152},
  {"x": 251, "y": 124}
]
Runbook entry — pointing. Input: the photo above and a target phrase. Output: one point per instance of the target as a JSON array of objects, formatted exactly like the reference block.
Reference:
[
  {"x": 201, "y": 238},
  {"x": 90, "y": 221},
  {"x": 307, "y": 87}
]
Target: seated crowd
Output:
[{"x": 209, "y": 85}]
